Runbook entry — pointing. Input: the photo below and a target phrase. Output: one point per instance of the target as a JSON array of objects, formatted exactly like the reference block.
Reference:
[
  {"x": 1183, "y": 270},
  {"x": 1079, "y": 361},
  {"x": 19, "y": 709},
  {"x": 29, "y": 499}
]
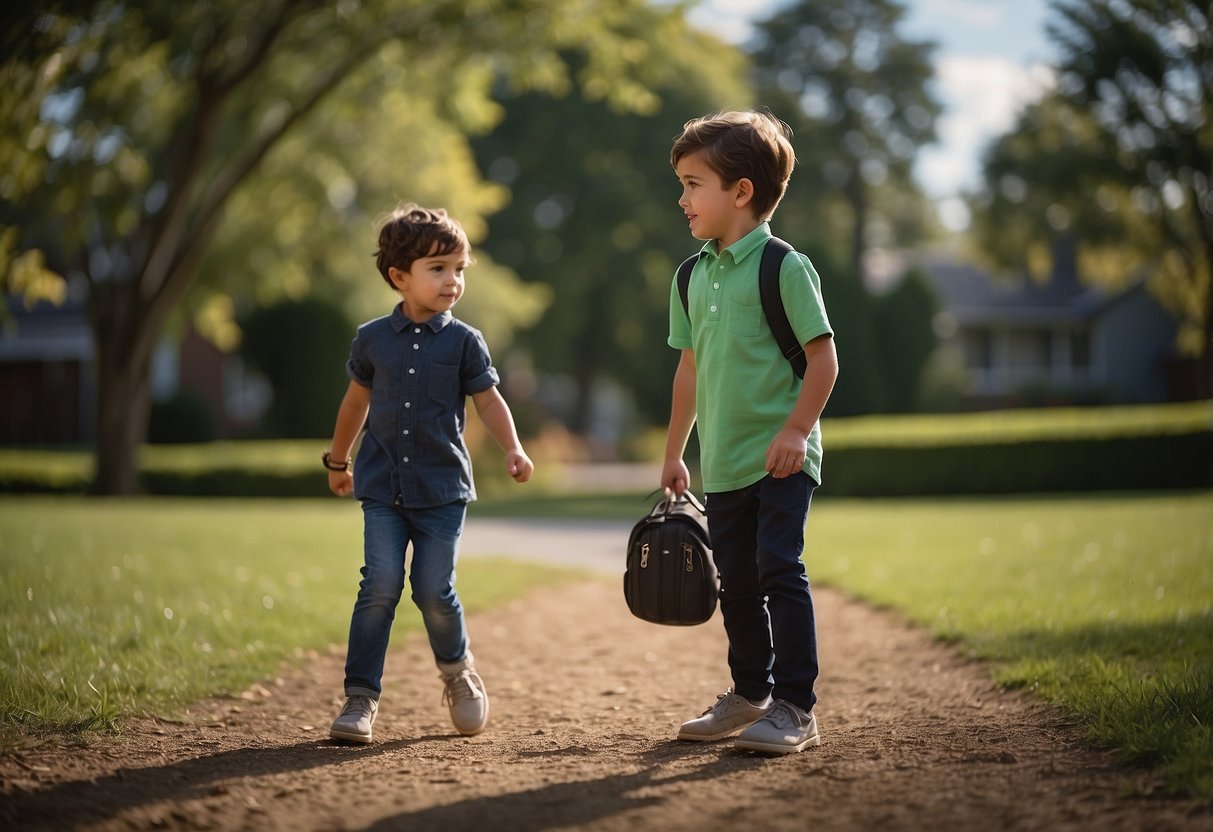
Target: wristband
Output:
[{"x": 327, "y": 459}]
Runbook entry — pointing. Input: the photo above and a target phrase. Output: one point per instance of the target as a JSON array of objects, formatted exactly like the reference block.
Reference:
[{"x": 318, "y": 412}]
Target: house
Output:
[
  {"x": 1022, "y": 341},
  {"x": 48, "y": 386}
]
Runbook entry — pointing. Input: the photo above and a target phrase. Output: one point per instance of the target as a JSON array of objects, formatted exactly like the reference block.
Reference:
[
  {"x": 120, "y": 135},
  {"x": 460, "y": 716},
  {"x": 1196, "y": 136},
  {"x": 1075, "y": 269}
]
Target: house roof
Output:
[
  {"x": 45, "y": 331},
  {"x": 973, "y": 296}
]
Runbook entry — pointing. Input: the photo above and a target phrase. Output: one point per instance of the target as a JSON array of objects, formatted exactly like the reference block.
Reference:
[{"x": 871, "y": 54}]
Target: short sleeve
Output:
[
  {"x": 358, "y": 368},
  {"x": 680, "y": 323},
  {"x": 800, "y": 286},
  {"x": 477, "y": 373}
]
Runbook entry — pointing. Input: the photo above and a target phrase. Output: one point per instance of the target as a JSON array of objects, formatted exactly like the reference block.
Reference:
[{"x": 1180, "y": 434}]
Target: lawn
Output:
[
  {"x": 1103, "y": 605},
  {"x": 114, "y": 607}
]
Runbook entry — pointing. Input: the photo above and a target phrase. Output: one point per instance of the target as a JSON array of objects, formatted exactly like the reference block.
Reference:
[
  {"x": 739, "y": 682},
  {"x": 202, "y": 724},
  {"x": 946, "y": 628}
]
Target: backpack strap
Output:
[
  {"x": 684, "y": 281},
  {"x": 773, "y": 308},
  {"x": 772, "y": 300}
]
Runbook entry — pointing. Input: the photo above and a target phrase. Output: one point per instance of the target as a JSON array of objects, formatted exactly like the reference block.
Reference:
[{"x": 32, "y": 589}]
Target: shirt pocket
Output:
[
  {"x": 443, "y": 385},
  {"x": 744, "y": 321}
]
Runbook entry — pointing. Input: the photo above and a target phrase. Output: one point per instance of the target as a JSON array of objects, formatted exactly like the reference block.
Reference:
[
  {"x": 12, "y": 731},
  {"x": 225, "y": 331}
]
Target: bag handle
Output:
[{"x": 687, "y": 497}]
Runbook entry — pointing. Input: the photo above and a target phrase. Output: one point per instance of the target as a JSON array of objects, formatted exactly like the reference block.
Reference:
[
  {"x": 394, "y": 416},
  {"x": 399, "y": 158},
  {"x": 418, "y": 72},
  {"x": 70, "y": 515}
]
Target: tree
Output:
[
  {"x": 594, "y": 214},
  {"x": 1117, "y": 158},
  {"x": 856, "y": 95},
  {"x": 129, "y": 128}
]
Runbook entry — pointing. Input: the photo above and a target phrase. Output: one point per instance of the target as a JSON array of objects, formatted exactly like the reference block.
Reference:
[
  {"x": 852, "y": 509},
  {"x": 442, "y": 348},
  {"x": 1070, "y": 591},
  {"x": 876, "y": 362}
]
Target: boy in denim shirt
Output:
[
  {"x": 758, "y": 426},
  {"x": 409, "y": 374}
]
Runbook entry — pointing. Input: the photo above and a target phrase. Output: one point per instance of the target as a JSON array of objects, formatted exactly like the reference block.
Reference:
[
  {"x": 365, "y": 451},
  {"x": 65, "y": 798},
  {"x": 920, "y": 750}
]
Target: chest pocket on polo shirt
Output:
[
  {"x": 444, "y": 383},
  {"x": 745, "y": 321}
]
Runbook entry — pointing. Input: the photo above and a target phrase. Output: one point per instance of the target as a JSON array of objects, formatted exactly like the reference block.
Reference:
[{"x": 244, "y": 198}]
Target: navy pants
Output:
[{"x": 757, "y": 539}]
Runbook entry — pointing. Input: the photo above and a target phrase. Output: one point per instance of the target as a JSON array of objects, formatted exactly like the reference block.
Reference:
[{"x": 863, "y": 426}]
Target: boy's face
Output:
[
  {"x": 712, "y": 210},
  {"x": 432, "y": 285}
]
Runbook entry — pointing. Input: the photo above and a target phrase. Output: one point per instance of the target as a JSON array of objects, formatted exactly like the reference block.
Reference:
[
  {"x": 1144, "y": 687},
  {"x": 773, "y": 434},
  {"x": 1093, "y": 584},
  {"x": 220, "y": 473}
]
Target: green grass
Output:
[
  {"x": 1103, "y": 605},
  {"x": 116, "y": 607}
]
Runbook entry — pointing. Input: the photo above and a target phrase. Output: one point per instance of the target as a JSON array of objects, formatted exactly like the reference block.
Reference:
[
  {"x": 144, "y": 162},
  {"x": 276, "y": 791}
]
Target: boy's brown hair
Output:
[
  {"x": 411, "y": 232},
  {"x": 750, "y": 145}
]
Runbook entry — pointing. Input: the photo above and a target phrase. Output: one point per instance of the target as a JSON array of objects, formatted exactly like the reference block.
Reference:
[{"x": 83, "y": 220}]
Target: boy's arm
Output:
[
  {"x": 351, "y": 416},
  {"x": 785, "y": 454},
  {"x": 674, "y": 474},
  {"x": 496, "y": 416}
]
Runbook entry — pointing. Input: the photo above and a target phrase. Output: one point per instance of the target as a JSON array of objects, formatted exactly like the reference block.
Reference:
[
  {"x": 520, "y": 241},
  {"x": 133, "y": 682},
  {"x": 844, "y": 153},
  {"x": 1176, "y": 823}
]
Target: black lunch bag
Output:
[{"x": 670, "y": 576}]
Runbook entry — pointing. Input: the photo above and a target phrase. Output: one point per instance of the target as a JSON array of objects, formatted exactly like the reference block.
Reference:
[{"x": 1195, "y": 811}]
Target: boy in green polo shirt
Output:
[{"x": 758, "y": 425}]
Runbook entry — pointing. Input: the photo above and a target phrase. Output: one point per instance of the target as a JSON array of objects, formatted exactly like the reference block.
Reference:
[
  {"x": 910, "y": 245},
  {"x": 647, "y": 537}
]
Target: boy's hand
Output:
[
  {"x": 785, "y": 454},
  {"x": 675, "y": 478},
  {"x": 519, "y": 465},
  {"x": 341, "y": 483}
]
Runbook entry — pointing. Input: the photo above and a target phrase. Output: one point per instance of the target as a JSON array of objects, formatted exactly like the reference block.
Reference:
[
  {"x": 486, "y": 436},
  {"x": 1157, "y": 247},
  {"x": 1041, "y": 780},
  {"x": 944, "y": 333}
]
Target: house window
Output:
[
  {"x": 1080, "y": 349},
  {"x": 978, "y": 349},
  {"x": 1029, "y": 349}
]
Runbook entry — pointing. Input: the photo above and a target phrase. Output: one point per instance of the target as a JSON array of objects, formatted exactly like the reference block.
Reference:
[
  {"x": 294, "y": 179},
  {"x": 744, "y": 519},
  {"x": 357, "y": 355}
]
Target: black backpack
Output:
[
  {"x": 671, "y": 577},
  {"x": 772, "y": 301}
]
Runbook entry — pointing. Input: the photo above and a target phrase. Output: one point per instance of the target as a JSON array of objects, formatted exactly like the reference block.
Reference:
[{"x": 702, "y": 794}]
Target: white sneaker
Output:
[
  {"x": 466, "y": 696},
  {"x": 354, "y": 722},
  {"x": 784, "y": 729},
  {"x": 730, "y": 714}
]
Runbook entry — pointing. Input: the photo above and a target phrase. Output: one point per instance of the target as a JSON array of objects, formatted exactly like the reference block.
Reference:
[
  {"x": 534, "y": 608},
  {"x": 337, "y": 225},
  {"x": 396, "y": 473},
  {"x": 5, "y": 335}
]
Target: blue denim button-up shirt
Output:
[{"x": 413, "y": 453}]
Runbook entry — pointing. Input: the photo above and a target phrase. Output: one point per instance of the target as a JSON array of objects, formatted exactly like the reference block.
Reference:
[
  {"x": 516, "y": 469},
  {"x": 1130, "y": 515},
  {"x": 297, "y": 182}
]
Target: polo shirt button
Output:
[
  {"x": 417, "y": 330},
  {"x": 411, "y": 371},
  {"x": 408, "y": 404},
  {"x": 406, "y": 459},
  {"x": 715, "y": 285},
  {"x": 406, "y": 432},
  {"x": 713, "y": 308},
  {"x": 416, "y": 346}
]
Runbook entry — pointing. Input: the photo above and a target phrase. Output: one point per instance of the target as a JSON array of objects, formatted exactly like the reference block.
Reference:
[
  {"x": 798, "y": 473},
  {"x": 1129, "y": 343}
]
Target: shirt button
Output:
[
  {"x": 406, "y": 459},
  {"x": 712, "y": 308},
  {"x": 408, "y": 404},
  {"x": 715, "y": 285},
  {"x": 411, "y": 371},
  {"x": 406, "y": 433},
  {"x": 417, "y": 330},
  {"x": 416, "y": 346}
]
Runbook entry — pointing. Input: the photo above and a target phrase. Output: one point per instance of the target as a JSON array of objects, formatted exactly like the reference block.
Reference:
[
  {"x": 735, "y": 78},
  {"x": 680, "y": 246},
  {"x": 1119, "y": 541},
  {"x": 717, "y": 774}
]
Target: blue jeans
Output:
[
  {"x": 757, "y": 539},
  {"x": 387, "y": 531}
]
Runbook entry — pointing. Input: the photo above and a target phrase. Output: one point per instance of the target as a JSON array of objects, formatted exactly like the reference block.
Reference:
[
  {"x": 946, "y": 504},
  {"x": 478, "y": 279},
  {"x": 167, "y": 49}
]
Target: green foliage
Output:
[
  {"x": 856, "y": 94},
  {"x": 1116, "y": 158},
  {"x": 185, "y": 416},
  {"x": 293, "y": 344},
  {"x": 1104, "y": 606},
  {"x": 138, "y": 606},
  {"x": 593, "y": 211},
  {"x": 130, "y": 128},
  {"x": 1008, "y": 452},
  {"x": 1159, "y": 446},
  {"x": 905, "y": 338}
]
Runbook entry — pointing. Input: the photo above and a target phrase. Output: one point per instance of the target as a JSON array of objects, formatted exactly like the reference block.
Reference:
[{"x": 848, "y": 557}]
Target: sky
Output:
[{"x": 991, "y": 59}]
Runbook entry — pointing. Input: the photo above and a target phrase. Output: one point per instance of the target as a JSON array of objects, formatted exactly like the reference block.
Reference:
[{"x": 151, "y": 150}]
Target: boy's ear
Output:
[
  {"x": 743, "y": 192},
  {"x": 396, "y": 276}
]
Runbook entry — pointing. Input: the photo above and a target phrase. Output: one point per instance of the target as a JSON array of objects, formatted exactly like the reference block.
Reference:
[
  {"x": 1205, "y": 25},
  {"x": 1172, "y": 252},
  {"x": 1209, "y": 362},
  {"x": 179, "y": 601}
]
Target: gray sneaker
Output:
[
  {"x": 355, "y": 720},
  {"x": 730, "y": 714},
  {"x": 466, "y": 696},
  {"x": 783, "y": 729}
]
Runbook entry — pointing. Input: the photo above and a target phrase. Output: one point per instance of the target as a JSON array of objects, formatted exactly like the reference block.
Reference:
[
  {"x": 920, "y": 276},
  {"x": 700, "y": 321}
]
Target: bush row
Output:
[{"x": 1009, "y": 452}]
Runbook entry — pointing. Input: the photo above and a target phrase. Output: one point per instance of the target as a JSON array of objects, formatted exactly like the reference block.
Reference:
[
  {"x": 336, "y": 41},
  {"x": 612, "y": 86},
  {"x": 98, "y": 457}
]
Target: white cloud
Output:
[{"x": 981, "y": 96}]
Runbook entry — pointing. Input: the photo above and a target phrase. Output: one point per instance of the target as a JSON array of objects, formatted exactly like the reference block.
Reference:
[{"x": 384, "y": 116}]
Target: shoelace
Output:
[
  {"x": 461, "y": 687},
  {"x": 360, "y": 705},
  {"x": 721, "y": 699},
  {"x": 781, "y": 715}
]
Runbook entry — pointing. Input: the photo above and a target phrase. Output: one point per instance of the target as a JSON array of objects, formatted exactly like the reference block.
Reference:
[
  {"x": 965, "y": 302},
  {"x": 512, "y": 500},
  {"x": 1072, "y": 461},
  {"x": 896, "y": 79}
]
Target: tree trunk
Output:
[
  {"x": 123, "y": 341},
  {"x": 858, "y": 199},
  {"x": 1204, "y": 385}
]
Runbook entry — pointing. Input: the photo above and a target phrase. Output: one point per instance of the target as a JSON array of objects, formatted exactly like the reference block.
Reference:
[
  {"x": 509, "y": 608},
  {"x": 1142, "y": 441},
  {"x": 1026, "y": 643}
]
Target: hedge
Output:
[{"x": 1145, "y": 447}]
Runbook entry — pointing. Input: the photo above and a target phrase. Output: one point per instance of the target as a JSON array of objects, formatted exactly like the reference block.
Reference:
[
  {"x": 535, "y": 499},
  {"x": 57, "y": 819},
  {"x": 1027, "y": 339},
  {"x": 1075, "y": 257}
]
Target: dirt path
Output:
[{"x": 585, "y": 702}]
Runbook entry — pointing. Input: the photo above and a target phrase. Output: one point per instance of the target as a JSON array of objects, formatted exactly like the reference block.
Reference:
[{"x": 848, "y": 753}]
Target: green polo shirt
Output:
[{"x": 744, "y": 387}]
